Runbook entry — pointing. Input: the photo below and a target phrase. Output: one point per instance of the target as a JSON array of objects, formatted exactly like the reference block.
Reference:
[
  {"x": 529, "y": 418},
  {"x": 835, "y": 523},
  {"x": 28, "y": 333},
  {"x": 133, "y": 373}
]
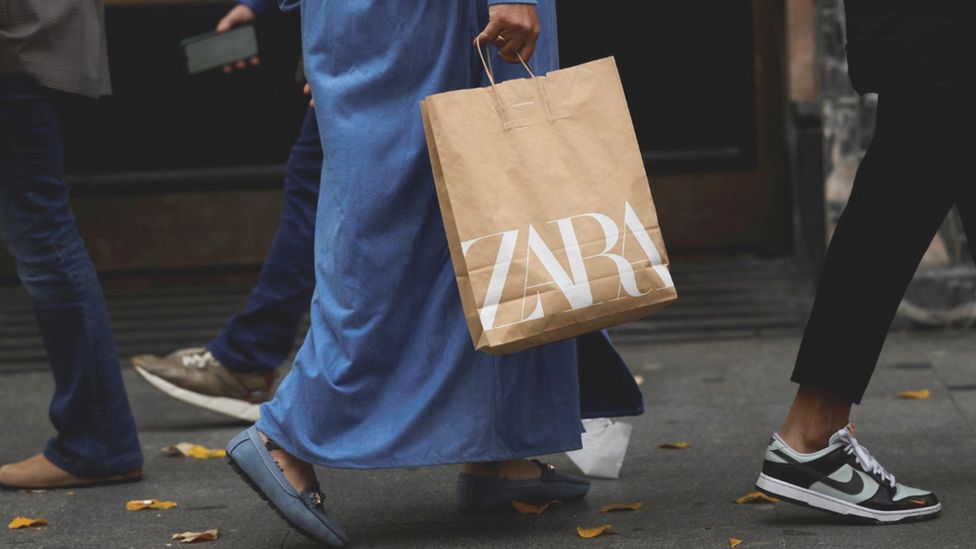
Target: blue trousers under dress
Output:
[{"x": 260, "y": 337}]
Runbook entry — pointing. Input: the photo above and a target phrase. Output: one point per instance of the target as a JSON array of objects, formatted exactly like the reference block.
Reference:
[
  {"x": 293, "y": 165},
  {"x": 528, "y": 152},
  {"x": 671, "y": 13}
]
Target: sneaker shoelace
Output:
[
  {"x": 865, "y": 459},
  {"x": 198, "y": 360}
]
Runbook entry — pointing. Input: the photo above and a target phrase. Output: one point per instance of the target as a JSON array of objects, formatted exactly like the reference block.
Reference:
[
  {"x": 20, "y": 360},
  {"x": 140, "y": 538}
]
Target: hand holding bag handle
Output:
[
  {"x": 507, "y": 123},
  {"x": 487, "y": 63}
]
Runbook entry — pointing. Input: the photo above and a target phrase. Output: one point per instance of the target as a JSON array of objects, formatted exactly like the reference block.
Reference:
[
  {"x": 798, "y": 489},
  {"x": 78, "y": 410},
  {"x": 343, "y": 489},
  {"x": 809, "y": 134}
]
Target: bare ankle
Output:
[
  {"x": 484, "y": 469},
  {"x": 300, "y": 474},
  {"x": 815, "y": 416},
  {"x": 804, "y": 442}
]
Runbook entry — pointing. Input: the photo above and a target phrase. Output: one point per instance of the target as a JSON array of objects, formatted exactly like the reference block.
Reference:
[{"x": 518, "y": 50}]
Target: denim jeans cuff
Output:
[
  {"x": 117, "y": 465},
  {"x": 220, "y": 353}
]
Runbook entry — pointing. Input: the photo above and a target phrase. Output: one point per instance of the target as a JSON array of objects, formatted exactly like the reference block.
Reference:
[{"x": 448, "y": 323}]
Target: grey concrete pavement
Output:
[{"x": 723, "y": 397}]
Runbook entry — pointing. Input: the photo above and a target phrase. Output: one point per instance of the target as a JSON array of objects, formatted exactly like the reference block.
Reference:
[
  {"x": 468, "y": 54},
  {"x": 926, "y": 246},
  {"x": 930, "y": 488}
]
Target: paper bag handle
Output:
[{"x": 487, "y": 63}]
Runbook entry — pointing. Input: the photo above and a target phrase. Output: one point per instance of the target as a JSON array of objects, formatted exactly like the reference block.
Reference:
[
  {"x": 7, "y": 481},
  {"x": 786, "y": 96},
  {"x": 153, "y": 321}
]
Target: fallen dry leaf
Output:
[
  {"x": 194, "y": 451},
  {"x": 756, "y": 497},
  {"x": 639, "y": 379},
  {"x": 197, "y": 537},
  {"x": 594, "y": 532},
  {"x": 734, "y": 542},
  {"x": 674, "y": 445},
  {"x": 920, "y": 394},
  {"x": 530, "y": 509},
  {"x": 622, "y": 507},
  {"x": 140, "y": 504},
  {"x": 24, "y": 522}
]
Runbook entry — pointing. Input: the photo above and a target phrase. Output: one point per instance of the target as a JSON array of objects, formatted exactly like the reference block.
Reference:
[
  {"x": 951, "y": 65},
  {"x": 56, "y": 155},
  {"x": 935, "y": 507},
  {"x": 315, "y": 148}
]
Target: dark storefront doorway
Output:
[
  {"x": 179, "y": 229},
  {"x": 705, "y": 85},
  {"x": 177, "y": 180}
]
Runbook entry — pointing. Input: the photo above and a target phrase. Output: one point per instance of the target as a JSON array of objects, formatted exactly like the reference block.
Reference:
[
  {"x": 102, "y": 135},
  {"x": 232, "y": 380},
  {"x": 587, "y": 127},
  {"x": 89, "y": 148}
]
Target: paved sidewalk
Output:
[{"x": 724, "y": 397}]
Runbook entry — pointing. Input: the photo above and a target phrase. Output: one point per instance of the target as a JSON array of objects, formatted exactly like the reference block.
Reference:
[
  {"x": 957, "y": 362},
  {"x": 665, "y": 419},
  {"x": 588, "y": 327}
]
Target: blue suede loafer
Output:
[
  {"x": 248, "y": 456},
  {"x": 482, "y": 494}
]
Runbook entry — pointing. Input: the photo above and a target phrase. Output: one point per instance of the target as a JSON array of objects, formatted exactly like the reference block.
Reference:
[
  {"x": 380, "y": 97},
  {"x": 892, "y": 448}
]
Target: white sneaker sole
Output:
[
  {"x": 232, "y": 407},
  {"x": 834, "y": 505}
]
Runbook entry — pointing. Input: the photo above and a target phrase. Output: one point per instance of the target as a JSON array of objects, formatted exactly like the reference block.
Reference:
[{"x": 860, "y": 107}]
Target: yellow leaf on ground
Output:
[
  {"x": 622, "y": 507},
  {"x": 756, "y": 497},
  {"x": 530, "y": 509},
  {"x": 639, "y": 379},
  {"x": 197, "y": 537},
  {"x": 194, "y": 451},
  {"x": 734, "y": 542},
  {"x": 200, "y": 452},
  {"x": 920, "y": 394},
  {"x": 140, "y": 504},
  {"x": 594, "y": 532},
  {"x": 24, "y": 522},
  {"x": 674, "y": 445}
]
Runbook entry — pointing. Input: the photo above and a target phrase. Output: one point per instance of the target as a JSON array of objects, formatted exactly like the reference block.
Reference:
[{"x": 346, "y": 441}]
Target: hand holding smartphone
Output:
[
  {"x": 218, "y": 49},
  {"x": 240, "y": 14}
]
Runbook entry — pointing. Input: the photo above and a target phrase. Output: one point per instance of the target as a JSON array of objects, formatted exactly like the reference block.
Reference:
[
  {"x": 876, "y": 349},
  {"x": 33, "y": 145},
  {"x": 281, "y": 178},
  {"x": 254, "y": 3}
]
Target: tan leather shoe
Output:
[{"x": 38, "y": 473}]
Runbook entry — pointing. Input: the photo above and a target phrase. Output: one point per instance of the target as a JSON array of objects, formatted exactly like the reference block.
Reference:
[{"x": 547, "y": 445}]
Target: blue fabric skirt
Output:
[{"x": 388, "y": 375}]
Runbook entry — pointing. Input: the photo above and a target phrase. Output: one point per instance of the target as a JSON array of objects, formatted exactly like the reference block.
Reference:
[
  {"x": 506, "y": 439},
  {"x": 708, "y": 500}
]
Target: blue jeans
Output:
[
  {"x": 260, "y": 337},
  {"x": 96, "y": 431}
]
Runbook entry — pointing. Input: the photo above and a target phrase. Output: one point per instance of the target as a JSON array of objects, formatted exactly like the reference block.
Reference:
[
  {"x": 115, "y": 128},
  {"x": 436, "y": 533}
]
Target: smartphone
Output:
[{"x": 216, "y": 49}]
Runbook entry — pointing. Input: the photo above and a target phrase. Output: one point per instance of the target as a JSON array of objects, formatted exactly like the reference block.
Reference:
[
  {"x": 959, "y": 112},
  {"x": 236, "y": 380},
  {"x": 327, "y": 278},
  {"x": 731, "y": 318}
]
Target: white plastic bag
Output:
[{"x": 604, "y": 447}]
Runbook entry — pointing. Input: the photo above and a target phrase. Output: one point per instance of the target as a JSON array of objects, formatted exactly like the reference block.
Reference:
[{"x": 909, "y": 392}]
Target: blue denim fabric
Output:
[
  {"x": 96, "y": 431},
  {"x": 259, "y": 338},
  {"x": 388, "y": 376},
  {"x": 260, "y": 7}
]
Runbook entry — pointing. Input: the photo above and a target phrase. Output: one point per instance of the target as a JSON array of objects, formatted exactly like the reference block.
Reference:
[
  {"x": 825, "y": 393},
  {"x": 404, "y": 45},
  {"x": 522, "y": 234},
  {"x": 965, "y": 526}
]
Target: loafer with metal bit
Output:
[
  {"x": 482, "y": 494},
  {"x": 303, "y": 511}
]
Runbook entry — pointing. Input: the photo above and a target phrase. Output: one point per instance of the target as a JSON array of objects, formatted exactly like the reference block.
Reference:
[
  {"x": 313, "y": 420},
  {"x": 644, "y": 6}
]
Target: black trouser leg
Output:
[
  {"x": 966, "y": 204},
  {"x": 902, "y": 193}
]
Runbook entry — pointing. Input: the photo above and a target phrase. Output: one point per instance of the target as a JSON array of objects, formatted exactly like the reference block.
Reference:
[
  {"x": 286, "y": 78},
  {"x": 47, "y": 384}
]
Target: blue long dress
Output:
[{"x": 388, "y": 375}]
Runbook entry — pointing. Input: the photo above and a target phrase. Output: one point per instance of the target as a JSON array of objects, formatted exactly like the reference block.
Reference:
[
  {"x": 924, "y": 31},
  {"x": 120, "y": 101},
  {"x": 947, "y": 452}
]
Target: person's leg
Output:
[
  {"x": 902, "y": 192},
  {"x": 235, "y": 372},
  {"x": 259, "y": 338},
  {"x": 90, "y": 410},
  {"x": 901, "y": 196}
]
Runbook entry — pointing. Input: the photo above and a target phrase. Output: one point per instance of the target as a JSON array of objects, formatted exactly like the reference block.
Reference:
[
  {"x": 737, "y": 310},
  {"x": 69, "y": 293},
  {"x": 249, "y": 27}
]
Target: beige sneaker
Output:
[{"x": 194, "y": 376}]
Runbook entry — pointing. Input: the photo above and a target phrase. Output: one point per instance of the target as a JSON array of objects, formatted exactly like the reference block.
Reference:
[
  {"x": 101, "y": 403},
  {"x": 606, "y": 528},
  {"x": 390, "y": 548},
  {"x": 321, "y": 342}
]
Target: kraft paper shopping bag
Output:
[{"x": 547, "y": 208}]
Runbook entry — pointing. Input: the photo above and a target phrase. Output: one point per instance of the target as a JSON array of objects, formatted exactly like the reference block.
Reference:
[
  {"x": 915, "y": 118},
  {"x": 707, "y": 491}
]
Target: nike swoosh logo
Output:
[
  {"x": 852, "y": 487},
  {"x": 918, "y": 501},
  {"x": 845, "y": 489}
]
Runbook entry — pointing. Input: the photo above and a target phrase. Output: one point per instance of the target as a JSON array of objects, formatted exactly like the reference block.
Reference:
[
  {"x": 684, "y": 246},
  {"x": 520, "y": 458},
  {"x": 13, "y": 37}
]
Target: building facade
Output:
[{"x": 749, "y": 127}]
